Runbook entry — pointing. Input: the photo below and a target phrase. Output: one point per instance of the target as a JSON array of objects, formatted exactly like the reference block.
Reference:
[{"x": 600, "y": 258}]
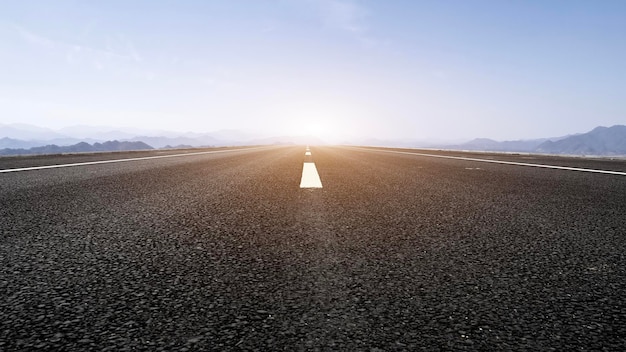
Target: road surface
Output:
[{"x": 225, "y": 251}]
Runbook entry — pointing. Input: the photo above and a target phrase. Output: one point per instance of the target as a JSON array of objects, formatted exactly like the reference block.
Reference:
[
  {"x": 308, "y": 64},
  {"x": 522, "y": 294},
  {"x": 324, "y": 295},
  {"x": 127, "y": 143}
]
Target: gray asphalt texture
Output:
[{"x": 396, "y": 252}]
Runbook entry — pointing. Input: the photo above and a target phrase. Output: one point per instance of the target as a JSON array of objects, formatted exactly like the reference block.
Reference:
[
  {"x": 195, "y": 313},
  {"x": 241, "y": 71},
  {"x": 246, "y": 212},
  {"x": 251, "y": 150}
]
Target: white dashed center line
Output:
[{"x": 310, "y": 177}]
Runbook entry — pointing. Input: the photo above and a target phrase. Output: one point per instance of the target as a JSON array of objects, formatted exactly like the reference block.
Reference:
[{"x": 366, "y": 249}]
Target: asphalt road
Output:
[{"x": 224, "y": 251}]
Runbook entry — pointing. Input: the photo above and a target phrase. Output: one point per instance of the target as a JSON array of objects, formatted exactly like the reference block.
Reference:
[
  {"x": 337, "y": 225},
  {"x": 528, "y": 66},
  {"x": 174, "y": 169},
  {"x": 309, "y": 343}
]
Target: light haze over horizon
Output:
[{"x": 423, "y": 70}]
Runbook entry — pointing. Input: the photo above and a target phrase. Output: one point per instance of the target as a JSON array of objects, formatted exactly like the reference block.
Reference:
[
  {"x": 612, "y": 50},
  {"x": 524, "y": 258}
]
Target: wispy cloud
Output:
[
  {"x": 349, "y": 16},
  {"x": 35, "y": 39},
  {"x": 121, "y": 46},
  {"x": 118, "y": 49},
  {"x": 440, "y": 74},
  {"x": 269, "y": 26}
]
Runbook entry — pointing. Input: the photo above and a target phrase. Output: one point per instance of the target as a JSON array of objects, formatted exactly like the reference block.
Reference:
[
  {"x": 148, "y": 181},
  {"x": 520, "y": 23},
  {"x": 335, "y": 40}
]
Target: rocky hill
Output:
[{"x": 599, "y": 141}]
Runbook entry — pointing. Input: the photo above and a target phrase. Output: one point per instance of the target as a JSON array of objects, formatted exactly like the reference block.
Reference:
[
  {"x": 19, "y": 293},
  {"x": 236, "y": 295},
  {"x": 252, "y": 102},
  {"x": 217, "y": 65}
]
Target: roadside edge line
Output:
[
  {"x": 31, "y": 168},
  {"x": 568, "y": 168}
]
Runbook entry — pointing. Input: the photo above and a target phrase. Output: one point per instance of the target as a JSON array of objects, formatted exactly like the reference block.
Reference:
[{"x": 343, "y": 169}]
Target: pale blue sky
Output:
[{"x": 408, "y": 69}]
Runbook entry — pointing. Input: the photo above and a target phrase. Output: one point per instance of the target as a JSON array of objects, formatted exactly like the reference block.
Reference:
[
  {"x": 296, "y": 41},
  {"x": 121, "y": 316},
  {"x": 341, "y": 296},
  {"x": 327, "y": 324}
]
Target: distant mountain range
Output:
[
  {"x": 486, "y": 144},
  {"x": 604, "y": 141},
  {"x": 599, "y": 141},
  {"x": 81, "y": 147},
  {"x": 23, "y": 136},
  {"x": 27, "y": 136},
  {"x": 28, "y": 139}
]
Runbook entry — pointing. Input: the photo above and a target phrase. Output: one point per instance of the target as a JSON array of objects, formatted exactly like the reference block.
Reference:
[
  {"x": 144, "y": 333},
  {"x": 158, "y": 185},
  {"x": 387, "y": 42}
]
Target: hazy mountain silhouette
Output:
[
  {"x": 161, "y": 142},
  {"x": 234, "y": 135},
  {"x": 7, "y": 142},
  {"x": 96, "y": 132},
  {"x": 310, "y": 140},
  {"x": 78, "y": 148},
  {"x": 486, "y": 144},
  {"x": 599, "y": 141},
  {"x": 393, "y": 143},
  {"x": 28, "y": 132}
]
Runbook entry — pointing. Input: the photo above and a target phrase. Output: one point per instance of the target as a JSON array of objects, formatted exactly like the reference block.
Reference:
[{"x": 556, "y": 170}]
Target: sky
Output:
[{"x": 421, "y": 70}]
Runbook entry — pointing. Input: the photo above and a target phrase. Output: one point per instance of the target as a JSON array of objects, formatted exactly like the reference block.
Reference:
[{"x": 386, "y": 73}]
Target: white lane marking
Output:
[
  {"x": 307, "y": 153},
  {"x": 621, "y": 173},
  {"x": 121, "y": 160},
  {"x": 310, "y": 177}
]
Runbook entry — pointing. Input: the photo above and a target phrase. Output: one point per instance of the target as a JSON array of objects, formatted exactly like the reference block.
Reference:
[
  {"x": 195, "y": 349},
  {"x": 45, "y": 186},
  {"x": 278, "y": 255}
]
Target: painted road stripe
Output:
[
  {"x": 307, "y": 153},
  {"x": 503, "y": 162},
  {"x": 310, "y": 177},
  {"x": 122, "y": 160}
]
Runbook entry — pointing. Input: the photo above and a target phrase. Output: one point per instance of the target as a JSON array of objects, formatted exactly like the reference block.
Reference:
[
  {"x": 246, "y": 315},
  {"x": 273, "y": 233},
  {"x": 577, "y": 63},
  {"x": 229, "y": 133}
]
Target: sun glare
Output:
[
  {"x": 330, "y": 124},
  {"x": 313, "y": 126},
  {"x": 316, "y": 128}
]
